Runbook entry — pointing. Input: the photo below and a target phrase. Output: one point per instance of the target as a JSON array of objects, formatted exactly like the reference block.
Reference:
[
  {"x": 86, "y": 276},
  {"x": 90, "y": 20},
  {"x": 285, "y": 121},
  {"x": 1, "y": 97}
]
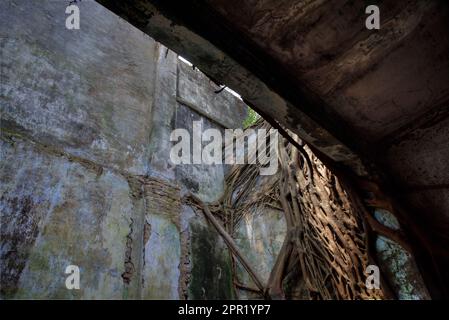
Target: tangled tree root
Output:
[{"x": 327, "y": 224}]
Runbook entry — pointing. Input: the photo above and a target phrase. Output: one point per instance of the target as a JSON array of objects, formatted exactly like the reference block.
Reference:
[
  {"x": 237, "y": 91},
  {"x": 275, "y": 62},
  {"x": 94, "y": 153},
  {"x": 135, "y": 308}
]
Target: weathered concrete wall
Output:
[
  {"x": 398, "y": 264},
  {"x": 209, "y": 264},
  {"x": 80, "y": 90},
  {"x": 86, "y": 117},
  {"x": 260, "y": 237},
  {"x": 420, "y": 159},
  {"x": 75, "y": 115},
  {"x": 57, "y": 212},
  {"x": 203, "y": 98}
]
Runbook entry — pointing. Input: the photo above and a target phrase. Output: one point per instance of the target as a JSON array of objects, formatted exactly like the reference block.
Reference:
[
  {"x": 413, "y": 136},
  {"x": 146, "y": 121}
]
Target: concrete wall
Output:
[
  {"x": 397, "y": 264},
  {"x": 260, "y": 236},
  {"x": 420, "y": 162},
  {"x": 86, "y": 117}
]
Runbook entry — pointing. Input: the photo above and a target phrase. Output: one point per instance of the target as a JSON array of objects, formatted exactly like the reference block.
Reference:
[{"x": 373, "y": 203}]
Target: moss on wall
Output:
[{"x": 211, "y": 266}]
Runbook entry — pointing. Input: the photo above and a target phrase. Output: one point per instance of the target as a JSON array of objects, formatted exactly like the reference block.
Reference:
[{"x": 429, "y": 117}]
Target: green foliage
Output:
[{"x": 251, "y": 118}]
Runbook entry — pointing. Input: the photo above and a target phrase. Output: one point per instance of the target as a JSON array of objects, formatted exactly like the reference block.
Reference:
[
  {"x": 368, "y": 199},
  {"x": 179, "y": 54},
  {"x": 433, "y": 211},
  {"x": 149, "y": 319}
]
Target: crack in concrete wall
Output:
[{"x": 129, "y": 265}]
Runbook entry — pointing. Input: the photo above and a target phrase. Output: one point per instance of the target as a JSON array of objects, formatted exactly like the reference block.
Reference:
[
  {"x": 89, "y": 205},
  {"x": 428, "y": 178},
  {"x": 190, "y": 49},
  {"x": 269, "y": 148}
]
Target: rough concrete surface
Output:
[{"x": 86, "y": 117}]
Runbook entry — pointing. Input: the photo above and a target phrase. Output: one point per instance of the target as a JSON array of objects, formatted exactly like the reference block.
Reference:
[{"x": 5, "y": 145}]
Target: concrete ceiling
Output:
[
  {"x": 377, "y": 81},
  {"x": 365, "y": 98}
]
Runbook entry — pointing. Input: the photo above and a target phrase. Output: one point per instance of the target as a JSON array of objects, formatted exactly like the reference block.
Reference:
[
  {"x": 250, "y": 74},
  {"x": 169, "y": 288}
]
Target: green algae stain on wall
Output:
[{"x": 211, "y": 265}]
